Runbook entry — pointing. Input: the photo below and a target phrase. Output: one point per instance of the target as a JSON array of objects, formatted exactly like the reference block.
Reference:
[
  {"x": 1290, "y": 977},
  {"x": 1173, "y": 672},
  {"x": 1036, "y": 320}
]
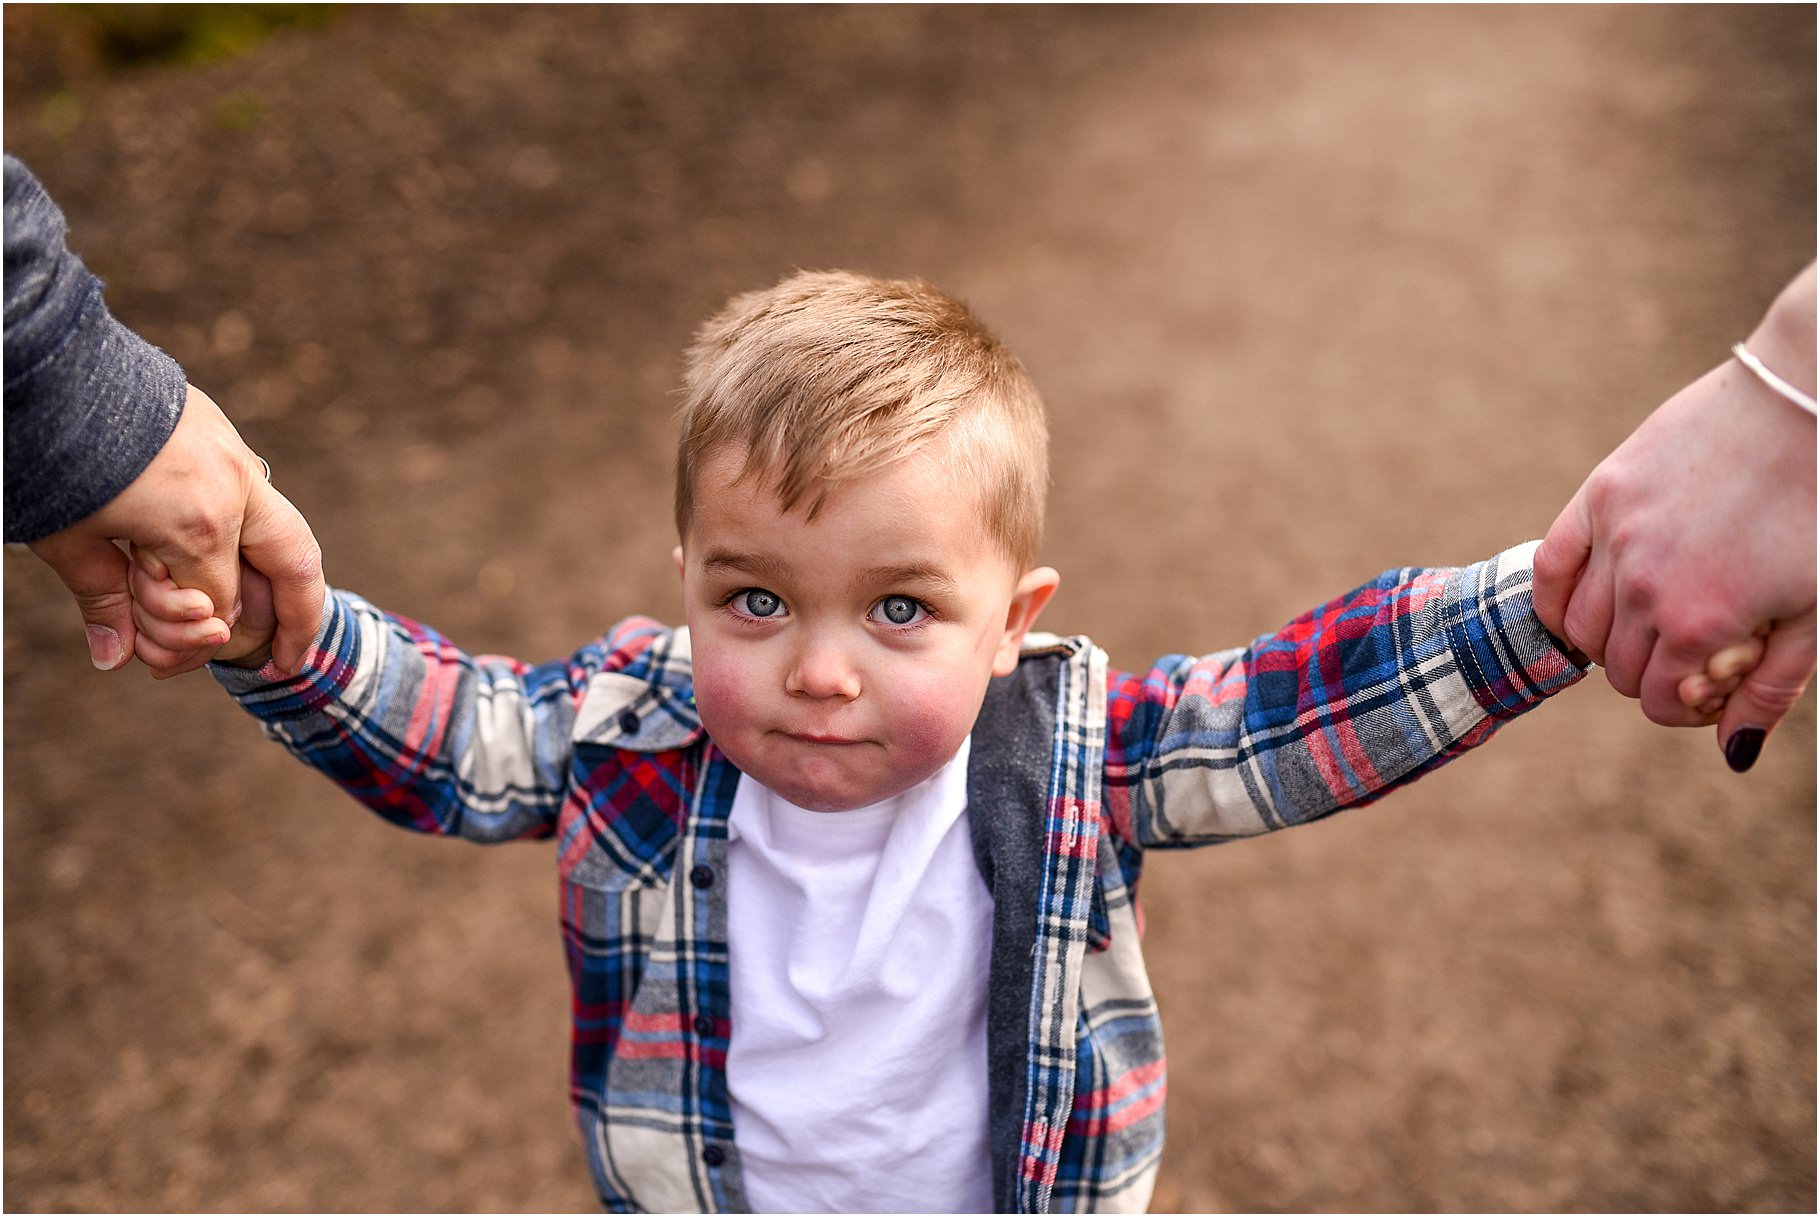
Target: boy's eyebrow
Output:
[
  {"x": 755, "y": 565},
  {"x": 914, "y": 574},
  {"x": 922, "y": 575}
]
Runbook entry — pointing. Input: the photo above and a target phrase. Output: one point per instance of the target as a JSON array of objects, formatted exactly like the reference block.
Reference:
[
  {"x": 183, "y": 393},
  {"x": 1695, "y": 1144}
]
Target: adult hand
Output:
[
  {"x": 1697, "y": 534},
  {"x": 199, "y": 506}
]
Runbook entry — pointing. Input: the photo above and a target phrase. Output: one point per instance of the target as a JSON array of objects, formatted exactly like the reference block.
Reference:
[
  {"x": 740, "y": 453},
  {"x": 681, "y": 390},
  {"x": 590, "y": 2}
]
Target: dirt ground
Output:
[{"x": 1311, "y": 292}]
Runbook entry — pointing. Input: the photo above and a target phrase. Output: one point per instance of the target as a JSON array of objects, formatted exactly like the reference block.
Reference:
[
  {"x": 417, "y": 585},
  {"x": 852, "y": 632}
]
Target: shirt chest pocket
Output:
[{"x": 634, "y": 760}]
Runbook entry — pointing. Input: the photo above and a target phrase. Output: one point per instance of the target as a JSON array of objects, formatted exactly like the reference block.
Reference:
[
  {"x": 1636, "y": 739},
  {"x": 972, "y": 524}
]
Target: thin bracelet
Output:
[{"x": 1774, "y": 381}]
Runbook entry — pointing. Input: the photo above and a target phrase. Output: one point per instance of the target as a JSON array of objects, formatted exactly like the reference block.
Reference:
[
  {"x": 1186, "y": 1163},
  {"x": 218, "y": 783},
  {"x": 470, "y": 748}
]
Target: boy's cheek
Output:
[
  {"x": 719, "y": 691},
  {"x": 932, "y": 716}
]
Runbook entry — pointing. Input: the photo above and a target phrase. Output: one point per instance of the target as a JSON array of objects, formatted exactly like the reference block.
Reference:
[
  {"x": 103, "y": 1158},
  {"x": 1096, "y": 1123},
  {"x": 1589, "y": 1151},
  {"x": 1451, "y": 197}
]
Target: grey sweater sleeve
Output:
[{"x": 88, "y": 402}]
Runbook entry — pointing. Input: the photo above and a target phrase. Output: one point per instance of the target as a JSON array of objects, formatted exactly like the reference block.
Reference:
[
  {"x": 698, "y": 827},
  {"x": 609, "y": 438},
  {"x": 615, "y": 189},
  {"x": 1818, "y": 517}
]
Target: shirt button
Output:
[
  {"x": 704, "y": 1025},
  {"x": 714, "y": 1155},
  {"x": 702, "y": 876},
  {"x": 628, "y": 722}
]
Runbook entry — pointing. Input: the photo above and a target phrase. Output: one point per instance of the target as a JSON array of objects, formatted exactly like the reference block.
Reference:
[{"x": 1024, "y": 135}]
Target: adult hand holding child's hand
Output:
[
  {"x": 106, "y": 442},
  {"x": 197, "y": 509},
  {"x": 174, "y": 624},
  {"x": 1695, "y": 539}
]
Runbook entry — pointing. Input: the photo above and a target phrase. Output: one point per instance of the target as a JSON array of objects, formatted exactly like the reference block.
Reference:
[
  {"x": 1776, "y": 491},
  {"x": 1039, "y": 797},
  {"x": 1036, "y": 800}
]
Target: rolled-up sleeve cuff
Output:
[{"x": 1508, "y": 658}]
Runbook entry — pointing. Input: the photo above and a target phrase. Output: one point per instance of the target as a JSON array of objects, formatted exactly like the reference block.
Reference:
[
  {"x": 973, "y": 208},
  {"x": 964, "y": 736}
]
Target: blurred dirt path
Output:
[{"x": 1311, "y": 292}]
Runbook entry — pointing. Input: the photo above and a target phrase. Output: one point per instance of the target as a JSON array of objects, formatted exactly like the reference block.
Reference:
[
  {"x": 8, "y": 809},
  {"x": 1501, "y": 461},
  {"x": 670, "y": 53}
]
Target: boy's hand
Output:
[
  {"x": 1706, "y": 692},
  {"x": 174, "y": 624}
]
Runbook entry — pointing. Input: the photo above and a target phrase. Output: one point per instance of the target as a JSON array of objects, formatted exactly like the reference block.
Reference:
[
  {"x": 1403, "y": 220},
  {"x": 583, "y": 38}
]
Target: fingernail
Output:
[
  {"x": 1742, "y": 748},
  {"x": 104, "y": 648}
]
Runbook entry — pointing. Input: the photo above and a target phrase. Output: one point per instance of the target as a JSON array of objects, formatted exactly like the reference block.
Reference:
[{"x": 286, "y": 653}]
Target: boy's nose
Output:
[{"x": 822, "y": 671}]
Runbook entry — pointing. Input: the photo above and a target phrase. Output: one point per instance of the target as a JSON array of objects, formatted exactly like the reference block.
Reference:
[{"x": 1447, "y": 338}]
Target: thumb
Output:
[
  {"x": 277, "y": 542},
  {"x": 95, "y": 572},
  {"x": 1558, "y": 563},
  {"x": 1768, "y": 693}
]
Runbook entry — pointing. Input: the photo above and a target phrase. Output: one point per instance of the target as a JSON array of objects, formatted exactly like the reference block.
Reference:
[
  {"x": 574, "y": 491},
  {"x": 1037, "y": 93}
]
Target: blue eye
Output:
[
  {"x": 757, "y": 602},
  {"x": 899, "y": 610}
]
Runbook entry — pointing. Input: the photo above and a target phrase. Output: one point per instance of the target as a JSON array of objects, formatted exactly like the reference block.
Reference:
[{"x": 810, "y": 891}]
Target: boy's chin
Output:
[
  {"x": 836, "y": 790},
  {"x": 835, "y": 777},
  {"x": 825, "y": 800}
]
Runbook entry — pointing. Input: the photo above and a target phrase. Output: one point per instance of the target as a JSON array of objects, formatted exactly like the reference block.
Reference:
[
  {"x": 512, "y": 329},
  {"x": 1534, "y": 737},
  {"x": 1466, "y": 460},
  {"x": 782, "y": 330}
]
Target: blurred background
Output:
[{"x": 1311, "y": 292}]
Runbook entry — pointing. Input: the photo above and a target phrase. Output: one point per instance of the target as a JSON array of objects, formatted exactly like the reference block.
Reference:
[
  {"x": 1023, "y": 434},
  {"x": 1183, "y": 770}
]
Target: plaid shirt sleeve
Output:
[
  {"x": 430, "y": 737},
  {"x": 1340, "y": 706}
]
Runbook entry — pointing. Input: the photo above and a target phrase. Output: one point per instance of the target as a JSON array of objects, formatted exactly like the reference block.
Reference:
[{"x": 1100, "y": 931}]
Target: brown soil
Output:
[{"x": 1312, "y": 292}]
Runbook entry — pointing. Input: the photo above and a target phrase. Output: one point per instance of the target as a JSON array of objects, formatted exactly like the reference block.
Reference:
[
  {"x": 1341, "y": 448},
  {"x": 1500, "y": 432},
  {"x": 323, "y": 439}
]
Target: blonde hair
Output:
[{"x": 832, "y": 375}]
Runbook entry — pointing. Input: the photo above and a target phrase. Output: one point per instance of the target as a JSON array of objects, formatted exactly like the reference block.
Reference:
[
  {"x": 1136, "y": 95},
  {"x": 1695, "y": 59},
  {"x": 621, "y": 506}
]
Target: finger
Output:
[
  {"x": 207, "y": 559},
  {"x": 1700, "y": 688},
  {"x": 1768, "y": 693},
  {"x": 149, "y": 562},
  {"x": 162, "y": 661},
  {"x": 187, "y": 662},
  {"x": 1725, "y": 671},
  {"x": 1591, "y": 609},
  {"x": 1559, "y": 561},
  {"x": 1674, "y": 692},
  {"x": 1675, "y": 684},
  {"x": 94, "y": 570},
  {"x": 1736, "y": 660},
  {"x": 278, "y": 543},
  {"x": 162, "y": 599},
  {"x": 1696, "y": 689},
  {"x": 209, "y": 633},
  {"x": 1627, "y": 658}
]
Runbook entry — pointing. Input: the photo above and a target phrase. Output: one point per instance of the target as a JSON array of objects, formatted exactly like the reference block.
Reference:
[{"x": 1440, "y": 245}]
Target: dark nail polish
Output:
[{"x": 1742, "y": 748}]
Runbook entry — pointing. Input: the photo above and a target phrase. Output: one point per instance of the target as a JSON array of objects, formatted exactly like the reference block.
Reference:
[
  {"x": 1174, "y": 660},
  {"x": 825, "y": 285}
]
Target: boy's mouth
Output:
[{"x": 809, "y": 737}]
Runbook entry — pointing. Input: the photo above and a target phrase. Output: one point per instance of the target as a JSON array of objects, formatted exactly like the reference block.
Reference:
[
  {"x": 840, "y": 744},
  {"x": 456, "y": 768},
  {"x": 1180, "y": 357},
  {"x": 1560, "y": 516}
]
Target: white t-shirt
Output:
[{"x": 859, "y": 944}]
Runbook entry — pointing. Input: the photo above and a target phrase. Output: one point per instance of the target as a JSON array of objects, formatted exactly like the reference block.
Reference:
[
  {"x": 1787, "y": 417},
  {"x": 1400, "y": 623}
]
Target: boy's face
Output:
[{"x": 841, "y": 661}]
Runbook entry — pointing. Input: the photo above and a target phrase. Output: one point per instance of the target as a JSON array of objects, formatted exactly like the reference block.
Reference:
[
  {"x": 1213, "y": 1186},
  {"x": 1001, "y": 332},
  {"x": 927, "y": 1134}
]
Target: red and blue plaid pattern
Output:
[{"x": 604, "y": 752}]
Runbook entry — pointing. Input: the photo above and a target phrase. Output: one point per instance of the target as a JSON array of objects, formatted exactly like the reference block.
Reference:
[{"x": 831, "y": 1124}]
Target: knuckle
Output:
[
  {"x": 304, "y": 563},
  {"x": 1607, "y": 489},
  {"x": 1696, "y": 628},
  {"x": 103, "y": 603},
  {"x": 201, "y": 530},
  {"x": 1550, "y": 568},
  {"x": 1640, "y": 590}
]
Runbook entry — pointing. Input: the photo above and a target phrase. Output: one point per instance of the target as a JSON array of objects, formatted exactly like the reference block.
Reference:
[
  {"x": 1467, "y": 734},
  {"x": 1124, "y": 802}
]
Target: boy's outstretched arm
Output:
[
  {"x": 1338, "y": 707},
  {"x": 428, "y": 736}
]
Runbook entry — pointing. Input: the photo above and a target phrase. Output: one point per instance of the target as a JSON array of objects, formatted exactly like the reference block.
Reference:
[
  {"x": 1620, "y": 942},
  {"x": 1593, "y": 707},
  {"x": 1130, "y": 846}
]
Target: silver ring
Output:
[{"x": 265, "y": 470}]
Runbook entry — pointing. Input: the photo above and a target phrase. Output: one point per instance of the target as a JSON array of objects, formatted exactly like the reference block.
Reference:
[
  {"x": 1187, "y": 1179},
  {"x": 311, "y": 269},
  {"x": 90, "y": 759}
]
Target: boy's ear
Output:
[
  {"x": 676, "y": 555},
  {"x": 1033, "y": 592}
]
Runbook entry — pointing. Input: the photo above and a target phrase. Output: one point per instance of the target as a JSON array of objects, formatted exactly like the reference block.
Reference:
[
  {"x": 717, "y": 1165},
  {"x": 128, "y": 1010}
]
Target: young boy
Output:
[{"x": 848, "y": 864}]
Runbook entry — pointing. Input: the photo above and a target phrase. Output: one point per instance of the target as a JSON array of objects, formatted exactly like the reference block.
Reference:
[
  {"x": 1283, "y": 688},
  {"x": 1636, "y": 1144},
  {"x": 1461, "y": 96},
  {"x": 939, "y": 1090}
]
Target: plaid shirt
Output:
[{"x": 604, "y": 752}]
